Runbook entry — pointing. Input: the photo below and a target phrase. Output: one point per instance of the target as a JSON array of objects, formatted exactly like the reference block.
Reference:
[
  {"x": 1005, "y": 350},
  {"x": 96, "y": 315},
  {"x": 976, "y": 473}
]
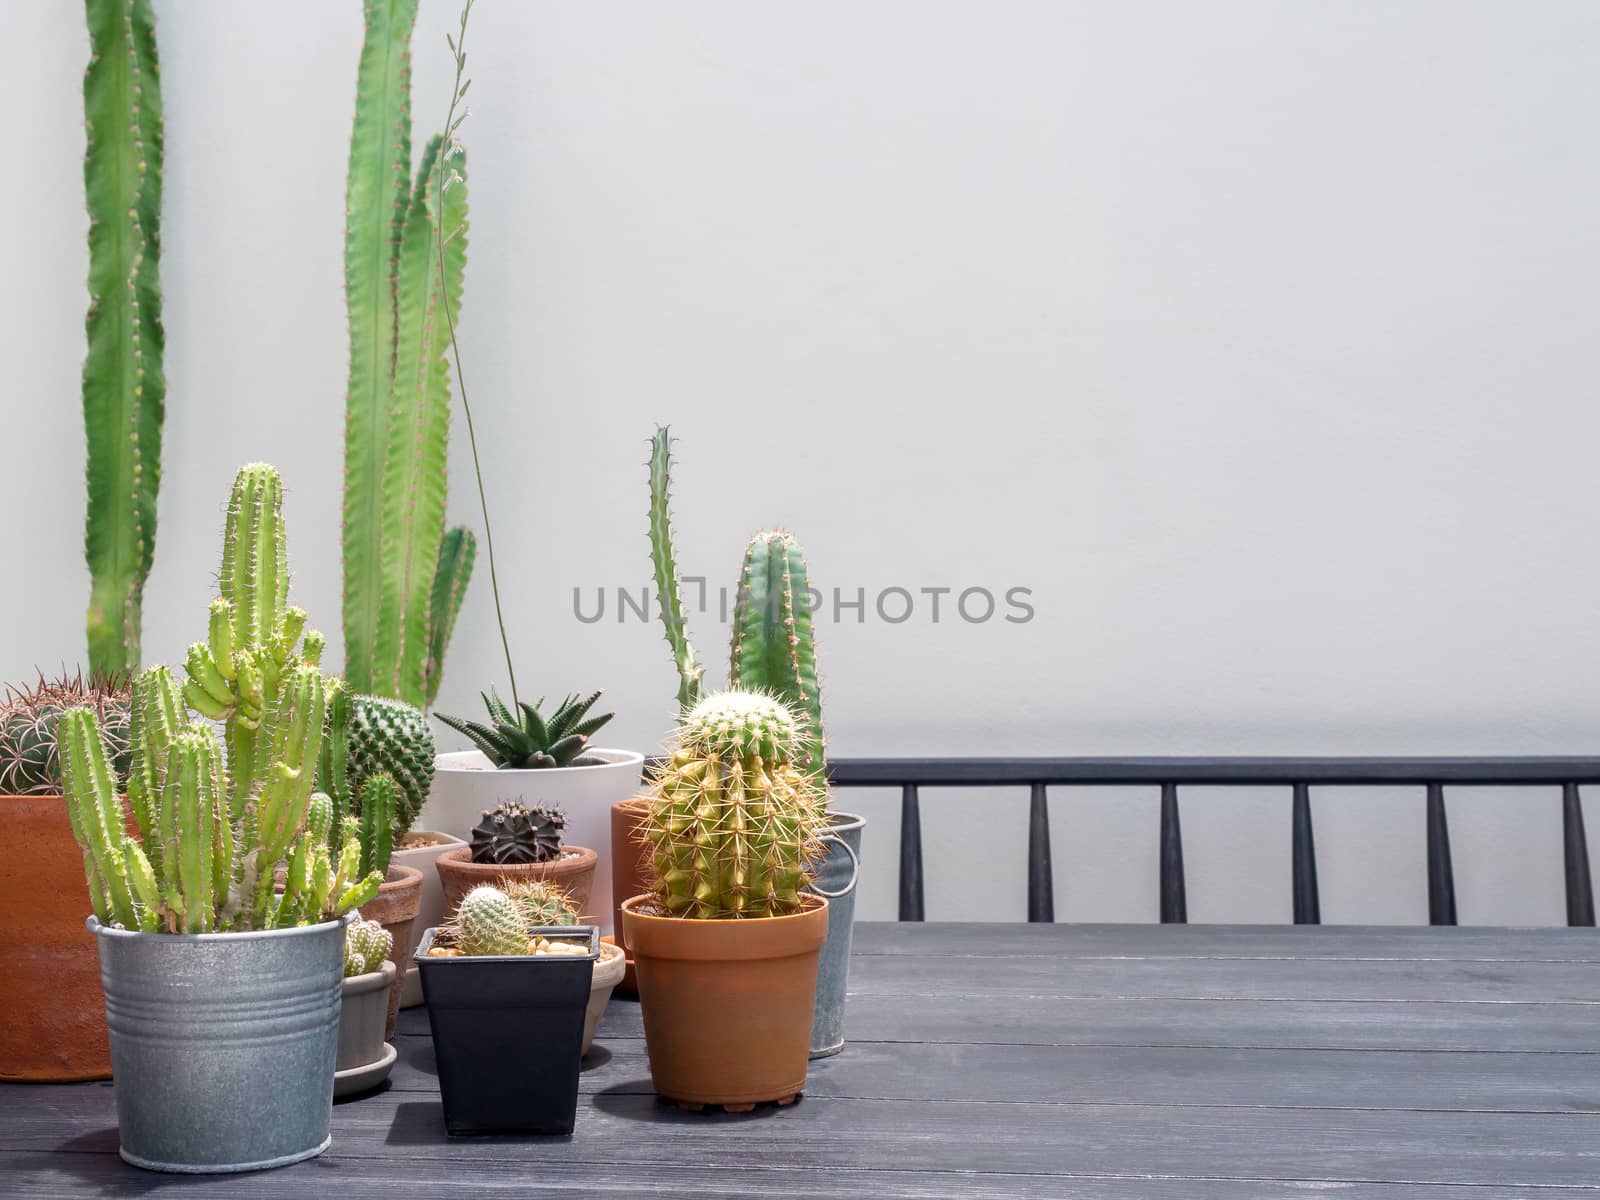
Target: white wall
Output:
[{"x": 1256, "y": 338}]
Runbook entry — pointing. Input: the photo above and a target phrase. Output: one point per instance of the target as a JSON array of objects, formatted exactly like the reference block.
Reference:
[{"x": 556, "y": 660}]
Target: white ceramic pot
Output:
[
  {"x": 421, "y": 858},
  {"x": 466, "y": 784}
]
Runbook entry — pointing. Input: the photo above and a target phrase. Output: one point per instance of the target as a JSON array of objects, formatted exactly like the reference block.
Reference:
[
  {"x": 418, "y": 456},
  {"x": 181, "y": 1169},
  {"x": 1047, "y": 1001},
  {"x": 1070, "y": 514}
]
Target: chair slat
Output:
[
  {"x": 1575, "y": 848},
  {"x": 1174, "y": 905},
  {"x": 911, "y": 908},
  {"x": 1041, "y": 894},
  {"x": 1441, "y": 875},
  {"x": 1307, "y": 902}
]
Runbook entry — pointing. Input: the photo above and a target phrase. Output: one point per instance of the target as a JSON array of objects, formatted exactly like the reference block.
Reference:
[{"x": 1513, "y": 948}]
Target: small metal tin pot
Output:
[
  {"x": 837, "y": 873},
  {"x": 222, "y": 1044}
]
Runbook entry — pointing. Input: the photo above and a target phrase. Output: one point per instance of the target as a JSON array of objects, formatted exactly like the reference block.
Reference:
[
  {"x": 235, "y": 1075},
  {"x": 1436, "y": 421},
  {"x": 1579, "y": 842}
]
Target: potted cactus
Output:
[
  {"x": 543, "y": 758},
  {"x": 496, "y": 970},
  {"x": 726, "y": 947},
  {"x": 219, "y": 918},
  {"x": 774, "y": 651},
  {"x": 365, "y": 1056},
  {"x": 512, "y": 843},
  {"x": 55, "y": 1024}
]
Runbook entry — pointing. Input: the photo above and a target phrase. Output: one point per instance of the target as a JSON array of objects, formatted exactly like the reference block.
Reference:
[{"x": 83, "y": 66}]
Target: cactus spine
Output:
[
  {"x": 212, "y": 838},
  {"x": 541, "y": 902},
  {"x": 124, "y": 387},
  {"x": 490, "y": 923},
  {"x": 733, "y": 822},
  {"x": 403, "y": 576},
  {"x": 774, "y": 640}
]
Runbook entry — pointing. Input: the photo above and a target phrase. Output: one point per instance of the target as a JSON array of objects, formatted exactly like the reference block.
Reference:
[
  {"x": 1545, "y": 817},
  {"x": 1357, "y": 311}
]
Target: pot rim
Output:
[
  {"x": 94, "y": 926},
  {"x": 592, "y": 932},
  {"x": 368, "y": 981},
  {"x": 399, "y": 875},
  {"x": 454, "y": 761},
  {"x": 585, "y": 857},
  {"x": 806, "y": 898},
  {"x": 839, "y": 822}
]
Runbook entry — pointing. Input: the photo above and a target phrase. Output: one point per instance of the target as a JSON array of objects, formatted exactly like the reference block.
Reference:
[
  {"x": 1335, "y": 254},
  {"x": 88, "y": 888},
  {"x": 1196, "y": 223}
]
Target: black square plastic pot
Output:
[{"x": 508, "y": 1035}]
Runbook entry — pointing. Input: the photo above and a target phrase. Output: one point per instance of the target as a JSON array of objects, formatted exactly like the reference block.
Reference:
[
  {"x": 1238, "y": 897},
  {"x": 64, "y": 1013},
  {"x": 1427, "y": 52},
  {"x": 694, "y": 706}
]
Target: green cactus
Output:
[
  {"x": 512, "y": 833},
  {"x": 541, "y": 902},
  {"x": 403, "y": 575},
  {"x": 377, "y": 804},
  {"x": 774, "y": 640},
  {"x": 533, "y": 740},
  {"x": 124, "y": 386},
  {"x": 391, "y": 737},
  {"x": 490, "y": 923},
  {"x": 366, "y": 945},
  {"x": 30, "y": 761},
  {"x": 734, "y": 819},
  {"x": 213, "y": 838},
  {"x": 774, "y": 646}
]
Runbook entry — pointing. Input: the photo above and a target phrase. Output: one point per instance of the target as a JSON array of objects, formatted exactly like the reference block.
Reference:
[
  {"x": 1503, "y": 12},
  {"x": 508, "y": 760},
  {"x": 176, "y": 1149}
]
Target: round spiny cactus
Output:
[
  {"x": 733, "y": 822},
  {"x": 391, "y": 737},
  {"x": 541, "y": 902},
  {"x": 489, "y": 923},
  {"x": 366, "y": 945},
  {"x": 510, "y": 833},
  {"x": 30, "y": 763},
  {"x": 741, "y": 724}
]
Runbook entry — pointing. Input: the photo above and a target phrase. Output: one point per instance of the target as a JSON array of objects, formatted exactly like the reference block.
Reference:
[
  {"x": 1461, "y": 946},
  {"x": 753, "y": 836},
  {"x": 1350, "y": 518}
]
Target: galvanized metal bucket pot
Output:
[
  {"x": 222, "y": 1044},
  {"x": 836, "y": 879}
]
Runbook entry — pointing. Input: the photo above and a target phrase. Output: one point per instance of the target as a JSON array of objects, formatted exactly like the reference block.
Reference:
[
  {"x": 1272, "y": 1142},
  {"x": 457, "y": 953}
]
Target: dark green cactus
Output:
[
  {"x": 376, "y": 803},
  {"x": 734, "y": 821},
  {"x": 30, "y": 760},
  {"x": 124, "y": 386},
  {"x": 403, "y": 576},
  {"x": 394, "y": 738},
  {"x": 511, "y": 833},
  {"x": 774, "y": 640},
  {"x": 533, "y": 740}
]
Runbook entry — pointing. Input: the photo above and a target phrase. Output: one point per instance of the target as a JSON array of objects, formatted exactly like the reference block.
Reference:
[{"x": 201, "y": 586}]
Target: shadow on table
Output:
[
  {"x": 91, "y": 1161},
  {"x": 635, "y": 1100},
  {"x": 421, "y": 1123}
]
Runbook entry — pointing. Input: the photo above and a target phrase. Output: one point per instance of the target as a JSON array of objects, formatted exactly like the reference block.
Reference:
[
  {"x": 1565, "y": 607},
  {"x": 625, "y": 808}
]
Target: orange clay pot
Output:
[
  {"x": 631, "y": 873},
  {"x": 458, "y": 875},
  {"x": 54, "y": 1023},
  {"x": 395, "y": 907},
  {"x": 727, "y": 1005}
]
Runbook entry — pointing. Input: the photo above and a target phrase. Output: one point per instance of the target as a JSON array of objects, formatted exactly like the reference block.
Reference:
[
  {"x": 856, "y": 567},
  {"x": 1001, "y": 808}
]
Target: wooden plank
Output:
[
  {"x": 521, "y": 1170},
  {"x": 1052, "y": 981},
  {"x": 1001, "y": 1074},
  {"x": 1360, "y": 942},
  {"x": 1458, "y": 1149}
]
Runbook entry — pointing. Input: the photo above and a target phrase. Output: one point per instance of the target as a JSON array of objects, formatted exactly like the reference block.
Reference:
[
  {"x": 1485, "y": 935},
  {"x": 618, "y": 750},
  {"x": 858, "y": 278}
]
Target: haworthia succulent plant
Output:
[
  {"x": 403, "y": 576},
  {"x": 124, "y": 387}
]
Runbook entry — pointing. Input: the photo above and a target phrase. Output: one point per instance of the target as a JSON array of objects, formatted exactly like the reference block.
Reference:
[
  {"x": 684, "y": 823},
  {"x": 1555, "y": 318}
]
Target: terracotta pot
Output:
[
  {"x": 459, "y": 874},
  {"x": 465, "y": 783},
  {"x": 395, "y": 908},
  {"x": 419, "y": 850},
  {"x": 631, "y": 873},
  {"x": 727, "y": 1005},
  {"x": 54, "y": 1027}
]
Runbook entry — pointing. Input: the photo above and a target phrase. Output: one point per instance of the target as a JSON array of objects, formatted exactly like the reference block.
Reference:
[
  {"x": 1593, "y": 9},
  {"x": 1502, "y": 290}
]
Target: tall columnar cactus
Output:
[
  {"x": 774, "y": 646},
  {"x": 734, "y": 820},
  {"x": 242, "y": 674},
  {"x": 403, "y": 575},
  {"x": 774, "y": 640},
  {"x": 124, "y": 387}
]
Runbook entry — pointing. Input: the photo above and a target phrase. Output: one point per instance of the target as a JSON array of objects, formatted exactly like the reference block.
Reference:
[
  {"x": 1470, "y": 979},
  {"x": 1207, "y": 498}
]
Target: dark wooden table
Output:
[{"x": 1094, "y": 1062}]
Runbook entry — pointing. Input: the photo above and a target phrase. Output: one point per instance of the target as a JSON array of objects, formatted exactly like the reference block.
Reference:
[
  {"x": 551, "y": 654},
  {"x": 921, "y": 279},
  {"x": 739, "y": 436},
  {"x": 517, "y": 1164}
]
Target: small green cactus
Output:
[
  {"x": 30, "y": 760},
  {"x": 490, "y": 923},
  {"x": 366, "y": 945},
  {"x": 774, "y": 642},
  {"x": 393, "y": 738},
  {"x": 511, "y": 833},
  {"x": 734, "y": 821},
  {"x": 541, "y": 902},
  {"x": 376, "y": 804}
]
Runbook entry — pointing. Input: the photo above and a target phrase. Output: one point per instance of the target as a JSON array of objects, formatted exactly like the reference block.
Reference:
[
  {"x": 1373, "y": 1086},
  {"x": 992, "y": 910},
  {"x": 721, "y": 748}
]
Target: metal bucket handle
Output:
[{"x": 855, "y": 869}]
